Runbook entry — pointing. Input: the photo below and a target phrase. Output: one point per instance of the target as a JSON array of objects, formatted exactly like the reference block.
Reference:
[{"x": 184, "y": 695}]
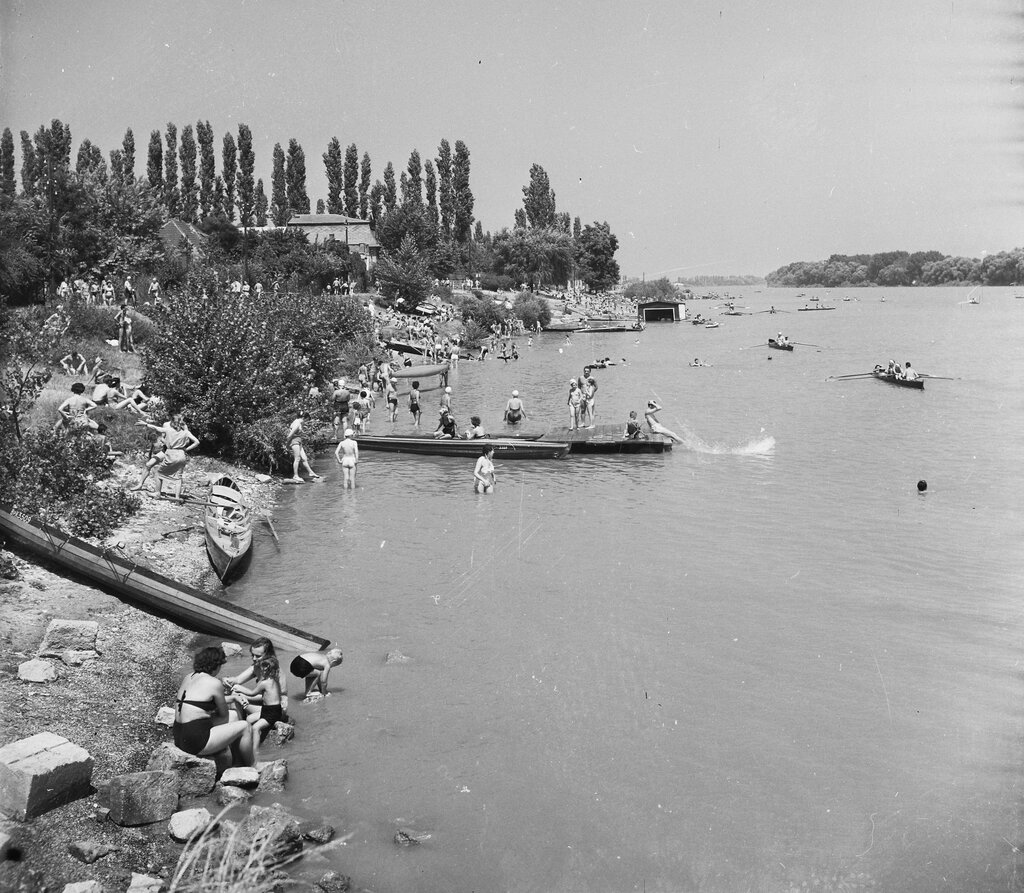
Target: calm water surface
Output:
[{"x": 761, "y": 661}]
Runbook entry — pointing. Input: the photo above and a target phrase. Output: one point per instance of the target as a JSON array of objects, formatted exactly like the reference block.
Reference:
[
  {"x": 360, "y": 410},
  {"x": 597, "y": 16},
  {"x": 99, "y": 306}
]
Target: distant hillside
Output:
[
  {"x": 731, "y": 279},
  {"x": 893, "y": 268}
]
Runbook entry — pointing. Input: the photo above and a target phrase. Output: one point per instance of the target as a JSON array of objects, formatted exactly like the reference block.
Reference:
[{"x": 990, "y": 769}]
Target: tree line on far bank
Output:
[{"x": 899, "y": 268}]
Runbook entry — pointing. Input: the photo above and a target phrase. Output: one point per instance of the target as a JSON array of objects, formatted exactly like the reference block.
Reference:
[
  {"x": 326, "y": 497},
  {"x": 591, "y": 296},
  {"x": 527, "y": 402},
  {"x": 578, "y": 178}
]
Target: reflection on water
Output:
[{"x": 761, "y": 661}]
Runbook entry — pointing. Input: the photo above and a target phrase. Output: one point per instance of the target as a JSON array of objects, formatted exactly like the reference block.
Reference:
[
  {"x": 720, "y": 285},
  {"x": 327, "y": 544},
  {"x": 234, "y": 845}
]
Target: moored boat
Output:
[
  {"x": 819, "y": 307},
  {"x": 119, "y": 573},
  {"x": 563, "y": 327},
  {"x": 426, "y": 445},
  {"x": 916, "y": 383},
  {"x": 778, "y": 346},
  {"x": 607, "y": 439},
  {"x": 406, "y": 347},
  {"x": 228, "y": 525},
  {"x": 424, "y": 370}
]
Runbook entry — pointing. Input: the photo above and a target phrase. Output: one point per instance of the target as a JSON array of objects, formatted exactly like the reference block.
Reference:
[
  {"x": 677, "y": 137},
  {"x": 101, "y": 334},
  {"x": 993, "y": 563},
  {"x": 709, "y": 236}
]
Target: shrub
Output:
[
  {"x": 496, "y": 282},
  {"x": 61, "y": 477},
  {"x": 531, "y": 309}
]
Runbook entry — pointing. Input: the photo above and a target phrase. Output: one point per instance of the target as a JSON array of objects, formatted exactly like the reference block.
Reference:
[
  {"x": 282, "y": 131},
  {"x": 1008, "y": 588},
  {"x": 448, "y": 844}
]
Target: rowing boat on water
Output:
[
  {"x": 117, "y": 572},
  {"x": 228, "y": 524},
  {"x": 773, "y": 343},
  {"x": 916, "y": 383},
  {"x": 819, "y": 307},
  {"x": 426, "y": 445},
  {"x": 422, "y": 371}
]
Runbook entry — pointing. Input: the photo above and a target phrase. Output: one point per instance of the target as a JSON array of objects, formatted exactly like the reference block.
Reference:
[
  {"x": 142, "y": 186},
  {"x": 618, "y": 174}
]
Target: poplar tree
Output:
[
  {"x": 389, "y": 196},
  {"x": 117, "y": 171},
  {"x": 320, "y": 206},
  {"x": 295, "y": 177},
  {"x": 29, "y": 165},
  {"x": 229, "y": 169},
  {"x": 539, "y": 199},
  {"x": 279, "y": 189},
  {"x": 187, "y": 156},
  {"x": 520, "y": 218},
  {"x": 415, "y": 170},
  {"x": 462, "y": 224},
  {"x": 445, "y": 196},
  {"x": 7, "y": 185},
  {"x": 128, "y": 156},
  {"x": 155, "y": 162},
  {"x": 352, "y": 181},
  {"x": 365, "y": 173},
  {"x": 172, "y": 197},
  {"x": 430, "y": 182},
  {"x": 207, "y": 167},
  {"x": 375, "y": 204},
  {"x": 478, "y": 232},
  {"x": 576, "y": 227},
  {"x": 217, "y": 205},
  {"x": 246, "y": 183},
  {"x": 261, "y": 203},
  {"x": 403, "y": 188},
  {"x": 335, "y": 176},
  {"x": 90, "y": 160}
]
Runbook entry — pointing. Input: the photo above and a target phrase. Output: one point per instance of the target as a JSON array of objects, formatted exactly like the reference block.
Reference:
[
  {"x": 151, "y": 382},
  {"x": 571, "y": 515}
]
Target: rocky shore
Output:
[{"x": 106, "y": 699}]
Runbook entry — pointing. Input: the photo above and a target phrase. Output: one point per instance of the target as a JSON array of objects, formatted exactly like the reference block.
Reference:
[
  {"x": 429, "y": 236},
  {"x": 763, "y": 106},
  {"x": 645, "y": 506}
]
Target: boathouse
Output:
[
  {"x": 662, "y": 310},
  {"x": 352, "y": 231}
]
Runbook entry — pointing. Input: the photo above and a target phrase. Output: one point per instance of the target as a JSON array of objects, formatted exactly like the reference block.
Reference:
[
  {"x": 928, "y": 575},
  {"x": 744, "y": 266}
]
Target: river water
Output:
[{"x": 762, "y": 661}]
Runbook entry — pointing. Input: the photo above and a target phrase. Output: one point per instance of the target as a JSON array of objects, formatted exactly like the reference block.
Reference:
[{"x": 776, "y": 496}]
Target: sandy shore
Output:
[{"x": 108, "y": 704}]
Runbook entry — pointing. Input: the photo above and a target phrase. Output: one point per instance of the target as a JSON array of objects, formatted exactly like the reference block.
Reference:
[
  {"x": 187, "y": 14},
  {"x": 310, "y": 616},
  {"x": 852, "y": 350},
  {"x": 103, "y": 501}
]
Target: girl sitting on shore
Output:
[{"x": 264, "y": 708}]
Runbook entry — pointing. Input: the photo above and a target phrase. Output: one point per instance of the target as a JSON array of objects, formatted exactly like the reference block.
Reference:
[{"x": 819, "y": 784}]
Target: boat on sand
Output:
[{"x": 228, "y": 523}]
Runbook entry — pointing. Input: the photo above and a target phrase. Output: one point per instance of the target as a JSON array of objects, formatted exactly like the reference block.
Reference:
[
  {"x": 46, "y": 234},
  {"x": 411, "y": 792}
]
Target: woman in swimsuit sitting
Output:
[{"x": 202, "y": 720}]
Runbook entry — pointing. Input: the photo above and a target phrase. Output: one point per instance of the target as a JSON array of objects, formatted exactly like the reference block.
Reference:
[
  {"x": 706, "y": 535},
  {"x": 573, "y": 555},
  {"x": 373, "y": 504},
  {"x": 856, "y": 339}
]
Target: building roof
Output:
[
  {"x": 174, "y": 231},
  {"x": 671, "y": 301},
  {"x": 323, "y": 220}
]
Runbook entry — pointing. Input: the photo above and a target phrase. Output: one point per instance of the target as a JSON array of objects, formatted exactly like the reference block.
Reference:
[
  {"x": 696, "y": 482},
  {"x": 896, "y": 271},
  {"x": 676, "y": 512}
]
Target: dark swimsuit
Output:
[
  {"x": 194, "y": 735},
  {"x": 271, "y": 713},
  {"x": 300, "y": 667}
]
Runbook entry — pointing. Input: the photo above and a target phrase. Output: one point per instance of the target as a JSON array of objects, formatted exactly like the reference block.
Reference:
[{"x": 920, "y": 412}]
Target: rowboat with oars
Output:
[
  {"x": 778, "y": 345},
  {"x": 228, "y": 523},
  {"x": 915, "y": 383}
]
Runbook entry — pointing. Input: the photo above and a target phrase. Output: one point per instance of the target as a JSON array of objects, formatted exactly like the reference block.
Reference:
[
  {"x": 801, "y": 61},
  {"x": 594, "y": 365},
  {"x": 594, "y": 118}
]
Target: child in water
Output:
[{"x": 314, "y": 667}]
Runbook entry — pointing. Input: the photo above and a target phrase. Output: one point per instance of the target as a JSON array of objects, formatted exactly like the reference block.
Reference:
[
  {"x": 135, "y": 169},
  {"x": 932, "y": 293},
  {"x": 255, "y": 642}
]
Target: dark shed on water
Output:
[{"x": 663, "y": 310}]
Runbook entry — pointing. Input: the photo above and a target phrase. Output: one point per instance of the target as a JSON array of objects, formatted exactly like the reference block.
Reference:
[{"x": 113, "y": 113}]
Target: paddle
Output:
[
  {"x": 851, "y": 375},
  {"x": 752, "y": 346},
  {"x": 266, "y": 518},
  {"x": 805, "y": 344},
  {"x": 938, "y": 377}
]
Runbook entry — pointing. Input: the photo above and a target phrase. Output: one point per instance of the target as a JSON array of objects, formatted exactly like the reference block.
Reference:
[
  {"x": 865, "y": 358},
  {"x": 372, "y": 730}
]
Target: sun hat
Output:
[{"x": 348, "y": 432}]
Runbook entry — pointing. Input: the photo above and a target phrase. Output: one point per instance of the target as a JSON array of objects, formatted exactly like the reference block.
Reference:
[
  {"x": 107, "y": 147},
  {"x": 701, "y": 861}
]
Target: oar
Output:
[
  {"x": 805, "y": 344},
  {"x": 851, "y": 375},
  {"x": 752, "y": 346},
  {"x": 270, "y": 524},
  {"x": 938, "y": 377}
]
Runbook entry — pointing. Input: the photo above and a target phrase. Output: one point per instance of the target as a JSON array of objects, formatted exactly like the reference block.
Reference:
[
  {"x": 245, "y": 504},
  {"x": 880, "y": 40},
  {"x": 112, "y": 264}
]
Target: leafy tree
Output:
[
  {"x": 520, "y": 217},
  {"x": 576, "y": 228},
  {"x": 404, "y": 275},
  {"x": 29, "y": 342},
  {"x": 128, "y": 151},
  {"x": 415, "y": 187},
  {"x": 650, "y": 290},
  {"x": 207, "y": 167},
  {"x": 375, "y": 206},
  {"x": 229, "y": 166},
  {"x": 595, "y": 256},
  {"x": 172, "y": 196},
  {"x": 117, "y": 171},
  {"x": 320, "y": 207},
  {"x": 261, "y": 204},
  {"x": 403, "y": 188},
  {"x": 22, "y": 267},
  {"x": 365, "y": 173},
  {"x": 335, "y": 176},
  {"x": 217, "y": 205},
  {"x": 352, "y": 181},
  {"x": 462, "y": 225},
  {"x": 539, "y": 198},
  {"x": 295, "y": 177},
  {"x": 431, "y": 187},
  {"x": 563, "y": 221},
  {"x": 155, "y": 162},
  {"x": 390, "y": 196},
  {"x": 90, "y": 160},
  {"x": 531, "y": 310},
  {"x": 29, "y": 165},
  {"x": 7, "y": 185},
  {"x": 187, "y": 156},
  {"x": 537, "y": 256},
  {"x": 246, "y": 185},
  {"x": 478, "y": 232},
  {"x": 445, "y": 193},
  {"x": 279, "y": 189}
]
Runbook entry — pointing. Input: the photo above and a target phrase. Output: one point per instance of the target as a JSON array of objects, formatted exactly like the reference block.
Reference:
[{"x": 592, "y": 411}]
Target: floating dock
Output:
[{"x": 606, "y": 439}]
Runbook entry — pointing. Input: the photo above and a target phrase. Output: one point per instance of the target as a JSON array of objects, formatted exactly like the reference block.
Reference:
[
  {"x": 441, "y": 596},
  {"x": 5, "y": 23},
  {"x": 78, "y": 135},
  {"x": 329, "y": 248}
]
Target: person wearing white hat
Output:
[
  {"x": 446, "y": 399},
  {"x": 515, "y": 412},
  {"x": 347, "y": 456}
]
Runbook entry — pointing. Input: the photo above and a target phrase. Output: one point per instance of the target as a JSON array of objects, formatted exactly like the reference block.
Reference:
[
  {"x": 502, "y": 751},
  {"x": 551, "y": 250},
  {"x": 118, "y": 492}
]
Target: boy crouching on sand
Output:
[{"x": 314, "y": 667}]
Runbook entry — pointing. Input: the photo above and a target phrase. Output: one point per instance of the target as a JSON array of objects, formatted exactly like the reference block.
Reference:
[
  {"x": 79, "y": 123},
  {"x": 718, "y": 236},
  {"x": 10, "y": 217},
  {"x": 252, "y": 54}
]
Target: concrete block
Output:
[
  {"x": 143, "y": 883},
  {"x": 197, "y": 775},
  {"x": 40, "y": 773},
  {"x": 37, "y": 670},
  {"x": 141, "y": 798},
  {"x": 69, "y": 635},
  {"x": 83, "y": 887}
]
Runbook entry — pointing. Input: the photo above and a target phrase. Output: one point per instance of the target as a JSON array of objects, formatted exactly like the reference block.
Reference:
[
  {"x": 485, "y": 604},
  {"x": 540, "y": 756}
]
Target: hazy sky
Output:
[{"x": 713, "y": 138}]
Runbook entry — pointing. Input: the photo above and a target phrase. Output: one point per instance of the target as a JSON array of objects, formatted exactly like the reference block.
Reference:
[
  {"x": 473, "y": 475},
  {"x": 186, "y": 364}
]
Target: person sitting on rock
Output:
[{"x": 264, "y": 708}]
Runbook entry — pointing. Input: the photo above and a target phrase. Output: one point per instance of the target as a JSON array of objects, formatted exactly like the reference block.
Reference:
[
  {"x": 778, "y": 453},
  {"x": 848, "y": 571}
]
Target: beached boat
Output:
[
  {"x": 228, "y": 524},
  {"x": 773, "y": 343},
  {"x": 406, "y": 347},
  {"x": 118, "y": 573},
  {"x": 426, "y": 445},
  {"x": 425, "y": 370},
  {"x": 916, "y": 383}
]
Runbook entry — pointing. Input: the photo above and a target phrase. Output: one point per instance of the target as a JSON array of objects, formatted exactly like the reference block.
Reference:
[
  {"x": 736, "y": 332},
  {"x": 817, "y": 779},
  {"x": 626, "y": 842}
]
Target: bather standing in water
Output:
[{"x": 483, "y": 474}]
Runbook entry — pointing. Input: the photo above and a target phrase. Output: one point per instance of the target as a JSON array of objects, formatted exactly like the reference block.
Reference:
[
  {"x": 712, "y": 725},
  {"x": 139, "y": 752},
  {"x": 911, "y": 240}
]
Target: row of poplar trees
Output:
[{"x": 182, "y": 170}]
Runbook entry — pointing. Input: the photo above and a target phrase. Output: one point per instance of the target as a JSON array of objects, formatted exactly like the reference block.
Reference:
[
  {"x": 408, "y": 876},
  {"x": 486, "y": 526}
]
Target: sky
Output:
[{"x": 714, "y": 138}]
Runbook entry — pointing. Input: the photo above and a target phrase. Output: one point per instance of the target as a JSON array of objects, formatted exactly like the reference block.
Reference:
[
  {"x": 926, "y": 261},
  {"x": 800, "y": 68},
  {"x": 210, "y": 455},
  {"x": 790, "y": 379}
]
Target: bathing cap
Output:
[
  {"x": 447, "y": 390},
  {"x": 515, "y": 393},
  {"x": 348, "y": 432}
]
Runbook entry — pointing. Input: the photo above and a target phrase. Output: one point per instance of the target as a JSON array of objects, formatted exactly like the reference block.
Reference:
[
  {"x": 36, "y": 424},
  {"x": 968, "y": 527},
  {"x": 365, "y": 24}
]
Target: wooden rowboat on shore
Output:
[
  {"x": 778, "y": 346},
  {"x": 116, "y": 572},
  {"x": 426, "y": 370},
  {"x": 228, "y": 523},
  {"x": 915, "y": 383}
]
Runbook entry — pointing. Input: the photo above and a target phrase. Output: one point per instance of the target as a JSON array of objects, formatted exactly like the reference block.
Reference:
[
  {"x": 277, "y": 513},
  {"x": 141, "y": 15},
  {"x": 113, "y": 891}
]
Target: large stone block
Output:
[
  {"x": 37, "y": 670},
  {"x": 40, "y": 773},
  {"x": 141, "y": 798},
  {"x": 83, "y": 887},
  {"x": 69, "y": 635},
  {"x": 197, "y": 775},
  {"x": 276, "y": 826},
  {"x": 143, "y": 883}
]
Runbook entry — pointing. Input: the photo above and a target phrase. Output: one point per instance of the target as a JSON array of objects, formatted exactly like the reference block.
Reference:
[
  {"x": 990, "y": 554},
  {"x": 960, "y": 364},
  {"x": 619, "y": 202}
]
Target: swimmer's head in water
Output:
[
  {"x": 922, "y": 486},
  {"x": 515, "y": 393}
]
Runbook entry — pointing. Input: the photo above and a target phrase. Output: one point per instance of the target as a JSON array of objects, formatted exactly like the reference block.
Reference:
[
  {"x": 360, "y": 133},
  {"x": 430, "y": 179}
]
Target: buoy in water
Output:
[{"x": 922, "y": 486}]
